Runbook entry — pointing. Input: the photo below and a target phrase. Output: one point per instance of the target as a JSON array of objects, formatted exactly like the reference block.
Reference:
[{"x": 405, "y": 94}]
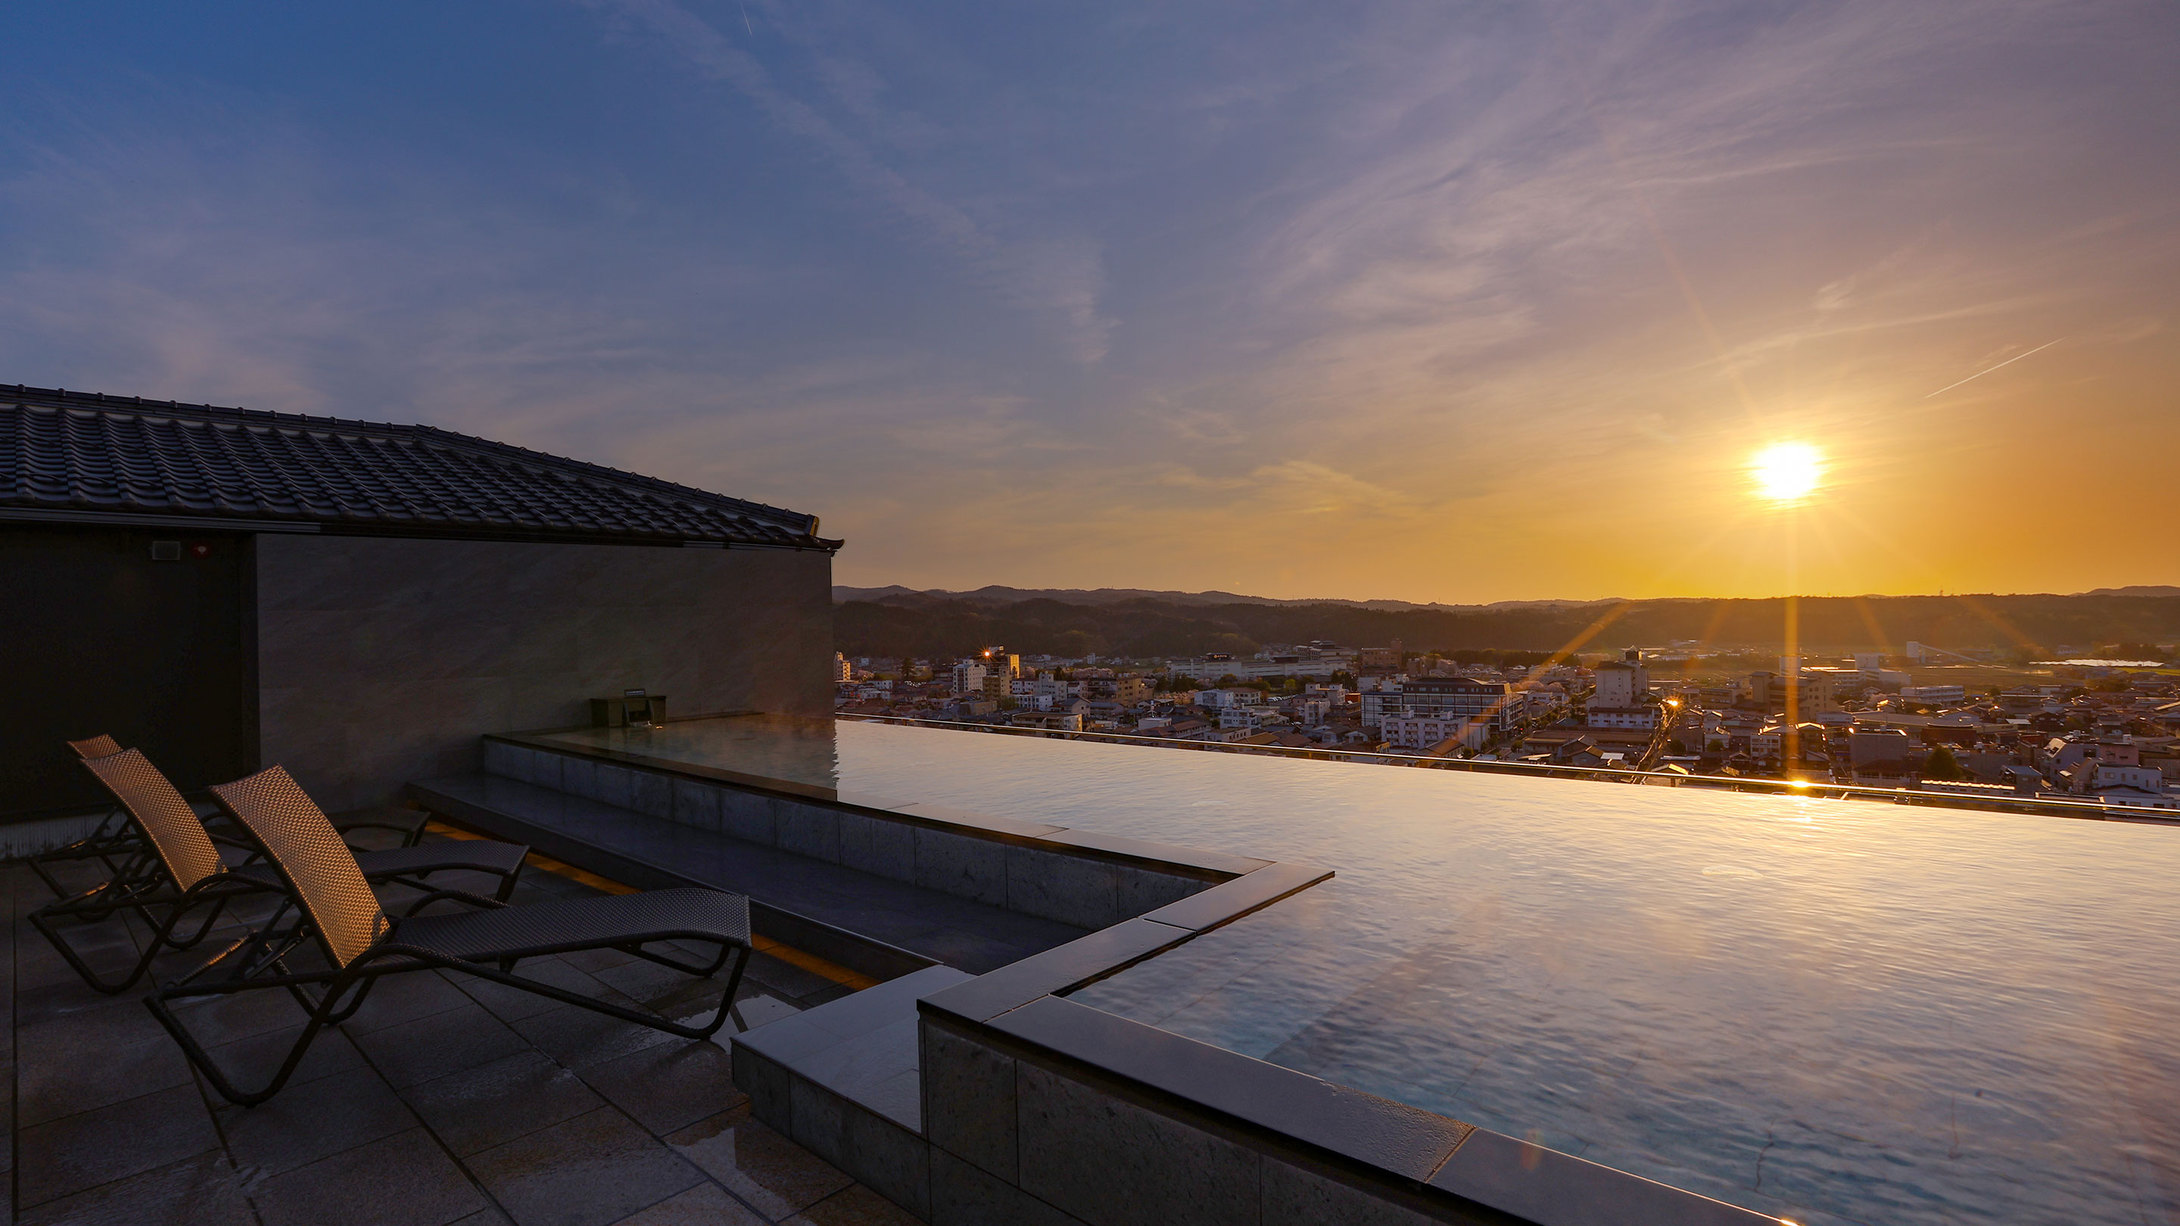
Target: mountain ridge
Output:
[
  {"x": 1134, "y": 623},
  {"x": 1001, "y": 594}
]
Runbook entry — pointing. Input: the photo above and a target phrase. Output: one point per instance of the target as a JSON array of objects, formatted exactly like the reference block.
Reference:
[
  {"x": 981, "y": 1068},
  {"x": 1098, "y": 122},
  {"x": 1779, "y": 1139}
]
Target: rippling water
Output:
[{"x": 1833, "y": 1011}]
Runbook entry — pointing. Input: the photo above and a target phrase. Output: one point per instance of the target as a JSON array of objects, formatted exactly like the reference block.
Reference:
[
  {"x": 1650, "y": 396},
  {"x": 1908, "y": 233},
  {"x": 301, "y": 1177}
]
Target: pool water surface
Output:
[{"x": 1832, "y": 1011}]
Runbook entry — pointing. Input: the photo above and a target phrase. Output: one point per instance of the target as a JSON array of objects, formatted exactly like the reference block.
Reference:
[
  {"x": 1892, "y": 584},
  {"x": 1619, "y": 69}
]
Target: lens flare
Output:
[{"x": 1787, "y": 472}]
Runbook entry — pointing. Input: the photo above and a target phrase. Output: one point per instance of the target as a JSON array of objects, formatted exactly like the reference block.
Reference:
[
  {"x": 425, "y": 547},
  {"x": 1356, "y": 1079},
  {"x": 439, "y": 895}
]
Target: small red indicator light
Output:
[{"x": 200, "y": 550}]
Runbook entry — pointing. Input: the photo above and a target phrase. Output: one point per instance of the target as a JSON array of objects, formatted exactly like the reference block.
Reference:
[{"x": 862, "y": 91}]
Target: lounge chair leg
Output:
[
  {"x": 161, "y": 939},
  {"x": 202, "y": 1059}
]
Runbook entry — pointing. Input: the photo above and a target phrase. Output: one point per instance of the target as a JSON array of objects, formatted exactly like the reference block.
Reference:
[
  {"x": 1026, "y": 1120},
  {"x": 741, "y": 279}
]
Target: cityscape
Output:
[{"x": 2104, "y": 731}]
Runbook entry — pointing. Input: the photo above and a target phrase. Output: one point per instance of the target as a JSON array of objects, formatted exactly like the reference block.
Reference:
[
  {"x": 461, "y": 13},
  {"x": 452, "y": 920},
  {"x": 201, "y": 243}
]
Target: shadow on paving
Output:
[{"x": 445, "y": 1099}]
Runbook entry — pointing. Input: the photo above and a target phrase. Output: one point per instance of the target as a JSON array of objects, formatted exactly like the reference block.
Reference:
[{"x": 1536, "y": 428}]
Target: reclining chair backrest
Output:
[
  {"x": 173, "y": 828},
  {"x": 308, "y": 852},
  {"x": 100, "y": 746}
]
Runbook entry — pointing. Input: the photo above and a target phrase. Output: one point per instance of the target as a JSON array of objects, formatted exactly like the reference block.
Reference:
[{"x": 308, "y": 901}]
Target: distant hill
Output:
[
  {"x": 2154, "y": 592},
  {"x": 897, "y": 621},
  {"x": 1094, "y": 597}
]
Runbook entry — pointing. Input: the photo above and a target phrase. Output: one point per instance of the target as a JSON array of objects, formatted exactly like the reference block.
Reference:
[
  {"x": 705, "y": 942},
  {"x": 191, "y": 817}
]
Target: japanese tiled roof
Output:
[{"x": 78, "y": 456}]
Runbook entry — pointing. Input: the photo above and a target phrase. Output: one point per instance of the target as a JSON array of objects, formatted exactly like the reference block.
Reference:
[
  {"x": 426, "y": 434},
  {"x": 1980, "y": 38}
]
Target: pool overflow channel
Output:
[{"x": 968, "y": 1087}]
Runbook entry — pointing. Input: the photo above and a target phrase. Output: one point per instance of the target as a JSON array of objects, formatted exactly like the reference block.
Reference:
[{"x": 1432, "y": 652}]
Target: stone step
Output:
[
  {"x": 869, "y": 923},
  {"x": 843, "y": 1081}
]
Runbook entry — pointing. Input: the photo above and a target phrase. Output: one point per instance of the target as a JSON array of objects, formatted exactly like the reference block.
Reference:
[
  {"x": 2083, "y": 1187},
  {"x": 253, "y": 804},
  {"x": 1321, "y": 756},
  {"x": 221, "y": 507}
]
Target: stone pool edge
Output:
[
  {"x": 1040, "y": 1108},
  {"x": 1037, "y": 1108}
]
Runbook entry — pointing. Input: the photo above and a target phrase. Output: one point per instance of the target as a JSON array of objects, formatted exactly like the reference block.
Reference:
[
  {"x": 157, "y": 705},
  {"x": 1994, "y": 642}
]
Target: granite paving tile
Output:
[
  {"x": 578, "y": 1037},
  {"x": 402, "y": 1180},
  {"x": 256, "y": 1058},
  {"x": 87, "y": 1031},
  {"x": 396, "y": 999},
  {"x": 703, "y": 1205},
  {"x": 204, "y": 1190},
  {"x": 304, "y": 1123},
  {"x": 488, "y": 1105},
  {"x": 512, "y": 1003},
  {"x": 769, "y": 1172},
  {"x": 592, "y": 1170},
  {"x": 219, "y": 1020},
  {"x": 668, "y": 1086},
  {"x": 438, "y": 1044},
  {"x": 127, "y": 1138},
  {"x": 855, "y": 1206},
  {"x": 644, "y": 980},
  {"x": 59, "y": 1079}
]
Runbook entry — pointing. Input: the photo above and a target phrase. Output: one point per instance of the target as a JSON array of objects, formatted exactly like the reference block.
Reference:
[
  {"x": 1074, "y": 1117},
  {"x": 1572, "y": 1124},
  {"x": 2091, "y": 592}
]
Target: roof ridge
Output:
[{"x": 324, "y": 480}]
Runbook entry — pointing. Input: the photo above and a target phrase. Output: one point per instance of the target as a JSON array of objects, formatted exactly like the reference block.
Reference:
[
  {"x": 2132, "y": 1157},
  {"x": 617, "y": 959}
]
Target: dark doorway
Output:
[{"x": 144, "y": 634}]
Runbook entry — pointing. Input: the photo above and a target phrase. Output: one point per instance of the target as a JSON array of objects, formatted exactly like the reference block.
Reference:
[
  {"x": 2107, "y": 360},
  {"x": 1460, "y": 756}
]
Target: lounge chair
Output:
[
  {"x": 115, "y": 837},
  {"x": 175, "y": 867},
  {"x": 361, "y": 944}
]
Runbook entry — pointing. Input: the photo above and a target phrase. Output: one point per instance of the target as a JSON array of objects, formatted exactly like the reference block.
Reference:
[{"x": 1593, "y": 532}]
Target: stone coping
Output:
[
  {"x": 1208, "y": 866},
  {"x": 1409, "y": 1151}
]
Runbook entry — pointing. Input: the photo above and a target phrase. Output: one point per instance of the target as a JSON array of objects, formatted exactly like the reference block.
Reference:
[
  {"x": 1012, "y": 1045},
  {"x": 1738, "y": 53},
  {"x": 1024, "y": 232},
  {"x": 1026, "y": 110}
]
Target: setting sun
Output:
[{"x": 1787, "y": 472}]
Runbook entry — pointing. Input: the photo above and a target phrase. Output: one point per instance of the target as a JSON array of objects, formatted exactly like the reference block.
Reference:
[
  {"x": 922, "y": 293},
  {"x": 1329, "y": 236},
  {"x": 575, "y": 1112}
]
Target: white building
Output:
[
  {"x": 1935, "y": 695},
  {"x": 1620, "y": 683},
  {"x": 1426, "y": 731},
  {"x": 1242, "y": 717}
]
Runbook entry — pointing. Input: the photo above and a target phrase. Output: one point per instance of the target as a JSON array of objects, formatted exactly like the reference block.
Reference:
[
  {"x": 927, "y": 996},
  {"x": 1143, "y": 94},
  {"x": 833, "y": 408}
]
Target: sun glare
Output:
[{"x": 1787, "y": 472}]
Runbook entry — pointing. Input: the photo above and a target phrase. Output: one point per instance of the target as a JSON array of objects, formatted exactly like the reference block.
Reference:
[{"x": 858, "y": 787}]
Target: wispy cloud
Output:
[
  {"x": 1400, "y": 299},
  {"x": 1059, "y": 274}
]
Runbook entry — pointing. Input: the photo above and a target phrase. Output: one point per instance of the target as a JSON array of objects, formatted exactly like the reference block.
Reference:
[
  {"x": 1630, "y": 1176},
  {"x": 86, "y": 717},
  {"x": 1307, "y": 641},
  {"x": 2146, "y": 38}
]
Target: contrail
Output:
[
  {"x": 1988, "y": 369},
  {"x": 745, "y": 22}
]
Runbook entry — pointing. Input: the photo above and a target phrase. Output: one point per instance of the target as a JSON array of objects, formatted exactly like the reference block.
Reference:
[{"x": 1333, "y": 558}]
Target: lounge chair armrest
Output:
[
  {"x": 411, "y": 831},
  {"x": 475, "y": 900}
]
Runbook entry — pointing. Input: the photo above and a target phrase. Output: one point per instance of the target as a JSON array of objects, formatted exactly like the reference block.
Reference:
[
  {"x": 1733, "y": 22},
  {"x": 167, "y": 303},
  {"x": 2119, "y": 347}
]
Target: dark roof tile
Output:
[{"x": 71, "y": 451}]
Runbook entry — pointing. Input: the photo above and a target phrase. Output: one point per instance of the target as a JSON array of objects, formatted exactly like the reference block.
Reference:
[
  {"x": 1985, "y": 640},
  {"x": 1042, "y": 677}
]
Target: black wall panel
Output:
[{"x": 98, "y": 635}]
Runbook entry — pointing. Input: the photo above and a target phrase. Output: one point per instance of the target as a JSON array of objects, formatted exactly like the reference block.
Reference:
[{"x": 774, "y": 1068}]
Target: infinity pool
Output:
[{"x": 1832, "y": 1011}]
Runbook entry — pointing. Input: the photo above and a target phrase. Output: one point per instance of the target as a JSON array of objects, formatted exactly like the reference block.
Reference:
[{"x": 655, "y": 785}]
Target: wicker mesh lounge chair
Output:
[
  {"x": 175, "y": 866},
  {"x": 116, "y": 837},
  {"x": 360, "y": 943},
  {"x": 110, "y": 839}
]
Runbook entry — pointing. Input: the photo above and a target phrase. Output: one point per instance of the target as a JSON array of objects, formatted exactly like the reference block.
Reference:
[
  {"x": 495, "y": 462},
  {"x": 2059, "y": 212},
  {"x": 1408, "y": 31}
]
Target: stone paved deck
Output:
[{"x": 444, "y": 1100}]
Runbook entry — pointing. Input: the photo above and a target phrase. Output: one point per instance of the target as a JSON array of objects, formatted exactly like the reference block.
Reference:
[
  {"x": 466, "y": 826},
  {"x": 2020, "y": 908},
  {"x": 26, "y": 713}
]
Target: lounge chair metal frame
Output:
[
  {"x": 116, "y": 838},
  {"x": 174, "y": 866},
  {"x": 361, "y": 944}
]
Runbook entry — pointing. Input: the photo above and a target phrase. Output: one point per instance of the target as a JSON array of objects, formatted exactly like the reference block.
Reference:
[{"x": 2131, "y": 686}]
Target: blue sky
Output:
[{"x": 1433, "y": 301}]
